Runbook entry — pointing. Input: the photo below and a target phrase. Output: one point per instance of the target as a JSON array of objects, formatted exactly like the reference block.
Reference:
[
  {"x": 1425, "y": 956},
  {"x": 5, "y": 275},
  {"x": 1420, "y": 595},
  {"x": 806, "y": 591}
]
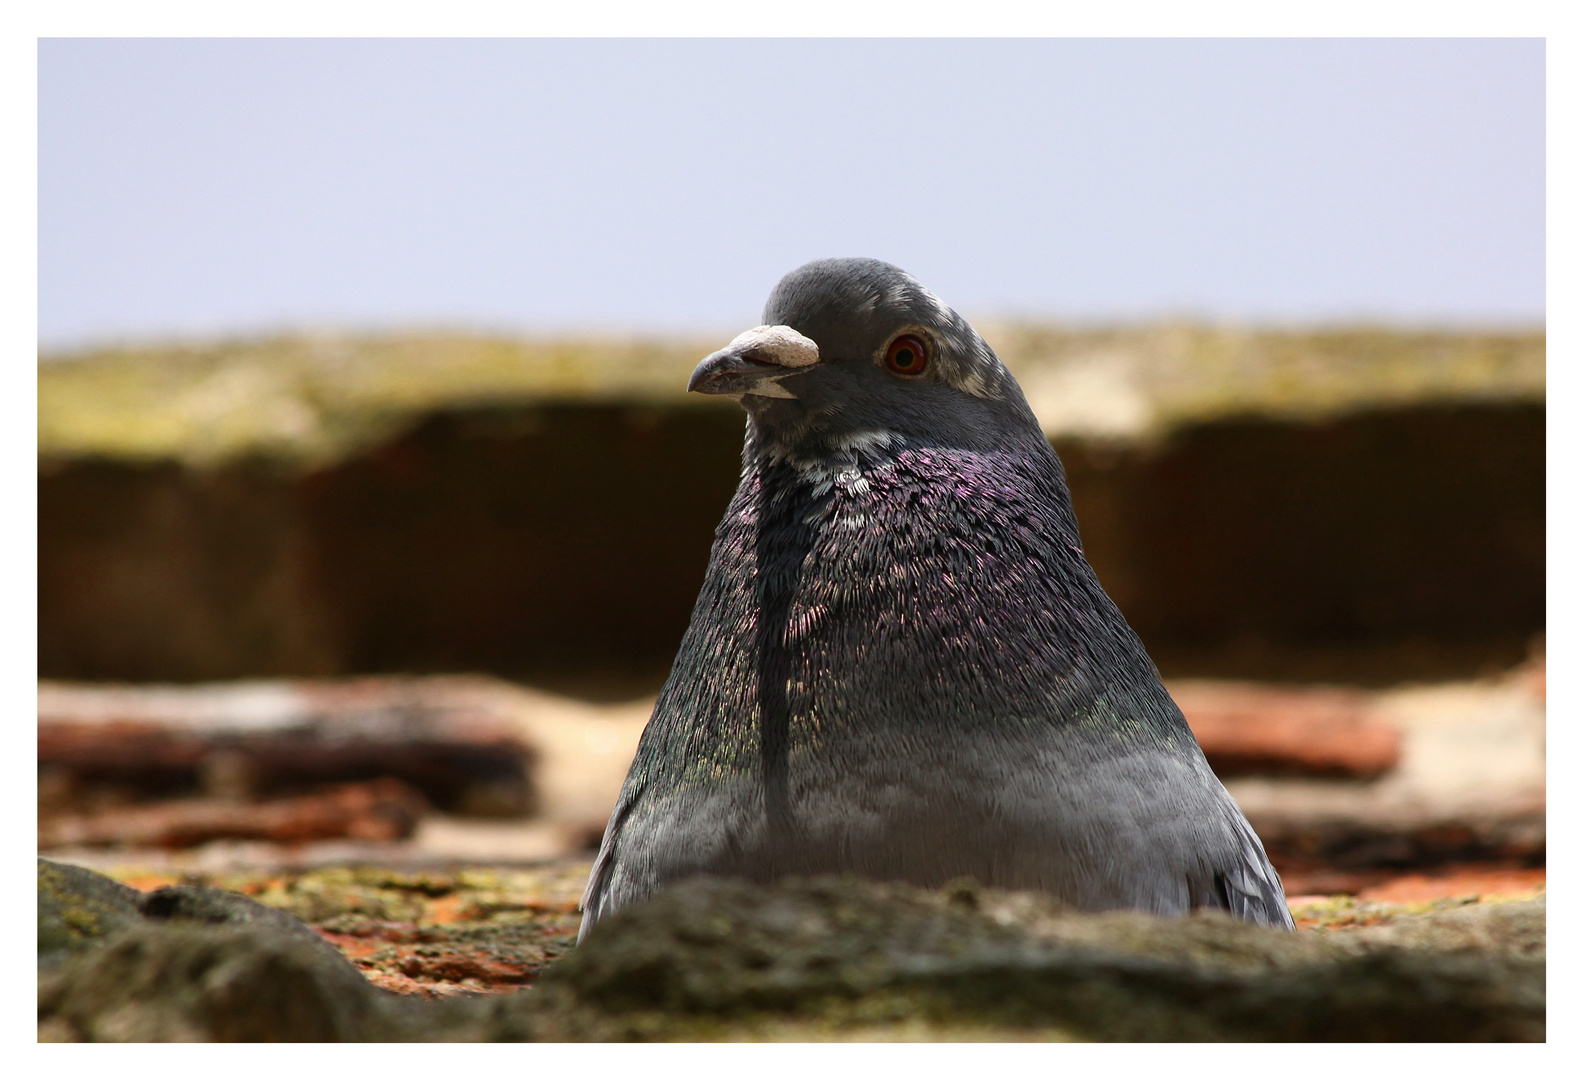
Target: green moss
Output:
[
  {"x": 78, "y": 908},
  {"x": 312, "y": 400},
  {"x": 322, "y": 895},
  {"x": 1191, "y": 374}
]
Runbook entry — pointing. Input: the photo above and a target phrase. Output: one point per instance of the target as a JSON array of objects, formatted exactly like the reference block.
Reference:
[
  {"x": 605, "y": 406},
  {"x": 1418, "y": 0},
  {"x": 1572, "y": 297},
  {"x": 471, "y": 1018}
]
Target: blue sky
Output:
[{"x": 199, "y": 187}]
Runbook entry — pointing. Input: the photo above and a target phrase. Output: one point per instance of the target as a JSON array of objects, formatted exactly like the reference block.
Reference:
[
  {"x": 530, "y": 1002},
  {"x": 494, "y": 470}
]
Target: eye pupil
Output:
[{"x": 906, "y": 356}]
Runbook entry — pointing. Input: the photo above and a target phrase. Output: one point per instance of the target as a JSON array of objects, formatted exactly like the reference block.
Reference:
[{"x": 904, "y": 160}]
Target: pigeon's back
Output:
[{"x": 901, "y": 666}]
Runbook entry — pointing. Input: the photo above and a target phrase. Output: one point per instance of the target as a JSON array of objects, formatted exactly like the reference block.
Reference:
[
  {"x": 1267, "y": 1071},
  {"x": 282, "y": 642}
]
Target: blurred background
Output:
[{"x": 372, "y": 508}]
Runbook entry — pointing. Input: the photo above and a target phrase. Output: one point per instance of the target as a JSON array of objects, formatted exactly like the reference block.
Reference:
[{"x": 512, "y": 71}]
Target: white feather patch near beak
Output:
[{"x": 769, "y": 388}]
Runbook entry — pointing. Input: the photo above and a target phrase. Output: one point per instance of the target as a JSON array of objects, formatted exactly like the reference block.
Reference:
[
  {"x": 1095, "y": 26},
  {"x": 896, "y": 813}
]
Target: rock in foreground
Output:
[
  {"x": 823, "y": 959},
  {"x": 709, "y": 953}
]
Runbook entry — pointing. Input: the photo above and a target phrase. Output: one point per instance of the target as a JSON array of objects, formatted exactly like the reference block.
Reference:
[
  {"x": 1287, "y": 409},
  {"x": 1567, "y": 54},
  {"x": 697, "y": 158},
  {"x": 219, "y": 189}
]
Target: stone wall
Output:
[{"x": 562, "y": 538}]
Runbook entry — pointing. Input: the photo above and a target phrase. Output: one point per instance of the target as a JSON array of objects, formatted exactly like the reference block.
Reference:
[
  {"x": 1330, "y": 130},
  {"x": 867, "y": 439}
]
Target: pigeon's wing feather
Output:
[
  {"x": 596, "y": 897},
  {"x": 1248, "y": 886}
]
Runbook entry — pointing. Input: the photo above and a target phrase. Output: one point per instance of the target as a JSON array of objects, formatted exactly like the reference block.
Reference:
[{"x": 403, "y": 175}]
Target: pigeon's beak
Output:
[{"x": 754, "y": 363}]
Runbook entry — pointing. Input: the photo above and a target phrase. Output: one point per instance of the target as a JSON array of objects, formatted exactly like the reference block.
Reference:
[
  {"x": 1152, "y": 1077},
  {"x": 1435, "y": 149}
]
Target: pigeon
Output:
[{"x": 900, "y": 666}]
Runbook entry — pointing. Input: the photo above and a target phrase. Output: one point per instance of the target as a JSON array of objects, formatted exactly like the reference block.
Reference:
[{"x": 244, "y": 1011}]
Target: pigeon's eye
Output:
[{"x": 906, "y": 356}]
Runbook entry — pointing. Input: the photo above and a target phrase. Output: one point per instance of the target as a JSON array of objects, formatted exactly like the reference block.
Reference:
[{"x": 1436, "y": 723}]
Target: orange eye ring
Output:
[{"x": 907, "y": 355}]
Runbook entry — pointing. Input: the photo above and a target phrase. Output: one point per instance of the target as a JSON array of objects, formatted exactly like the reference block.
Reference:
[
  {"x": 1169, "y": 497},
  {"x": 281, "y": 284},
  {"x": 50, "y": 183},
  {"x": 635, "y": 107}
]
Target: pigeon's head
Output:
[{"x": 856, "y": 354}]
